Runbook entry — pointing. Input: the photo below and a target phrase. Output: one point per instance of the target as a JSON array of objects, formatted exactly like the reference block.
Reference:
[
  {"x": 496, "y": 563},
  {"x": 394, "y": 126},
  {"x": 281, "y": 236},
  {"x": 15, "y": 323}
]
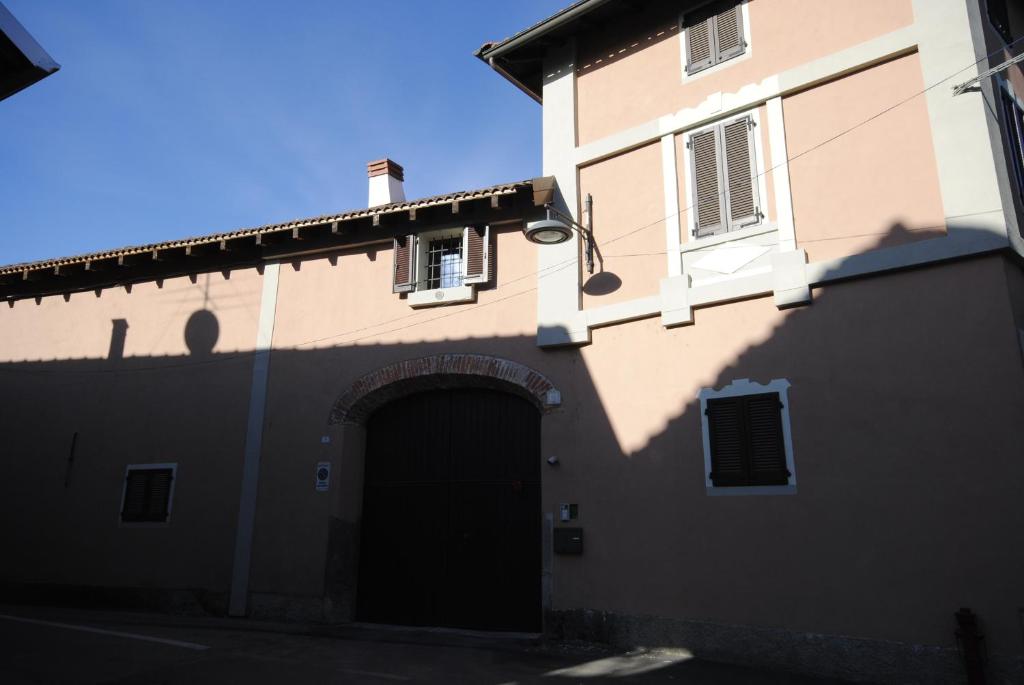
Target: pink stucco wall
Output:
[
  {"x": 629, "y": 222},
  {"x": 855, "y": 173},
  {"x": 633, "y": 72}
]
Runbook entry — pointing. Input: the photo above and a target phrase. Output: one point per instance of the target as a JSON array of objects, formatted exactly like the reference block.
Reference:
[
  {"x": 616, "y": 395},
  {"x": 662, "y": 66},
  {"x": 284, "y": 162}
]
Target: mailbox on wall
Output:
[{"x": 568, "y": 541}]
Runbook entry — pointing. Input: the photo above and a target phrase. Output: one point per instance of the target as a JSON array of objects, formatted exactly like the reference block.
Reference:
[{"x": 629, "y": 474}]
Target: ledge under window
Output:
[{"x": 441, "y": 296}]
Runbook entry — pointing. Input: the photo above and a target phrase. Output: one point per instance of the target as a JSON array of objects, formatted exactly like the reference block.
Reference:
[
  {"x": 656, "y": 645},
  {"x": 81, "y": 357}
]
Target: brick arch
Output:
[{"x": 442, "y": 371}]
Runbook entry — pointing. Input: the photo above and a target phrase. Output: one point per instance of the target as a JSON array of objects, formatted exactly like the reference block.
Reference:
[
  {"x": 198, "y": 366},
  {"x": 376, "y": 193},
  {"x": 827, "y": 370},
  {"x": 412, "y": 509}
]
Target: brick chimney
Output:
[{"x": 386, "y": 179}]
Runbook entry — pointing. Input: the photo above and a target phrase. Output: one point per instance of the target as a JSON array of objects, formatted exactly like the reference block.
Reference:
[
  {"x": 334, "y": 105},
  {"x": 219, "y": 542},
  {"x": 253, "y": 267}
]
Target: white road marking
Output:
[{"x": 101, "y": 631}]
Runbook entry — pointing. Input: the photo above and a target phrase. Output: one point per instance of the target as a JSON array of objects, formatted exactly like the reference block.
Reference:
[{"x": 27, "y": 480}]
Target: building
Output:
[
  {"x": 778, "y": 424},
  {"x": 23, "y": 61}
]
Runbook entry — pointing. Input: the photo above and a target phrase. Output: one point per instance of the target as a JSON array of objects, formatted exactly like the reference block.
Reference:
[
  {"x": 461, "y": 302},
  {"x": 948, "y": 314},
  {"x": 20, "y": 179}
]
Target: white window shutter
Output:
[
  {"x": 729, "y": 40},
  {"x": 708, "y": 189},
  {"x": 700, "y": 52},
  {"x": 740, "y": 173}
]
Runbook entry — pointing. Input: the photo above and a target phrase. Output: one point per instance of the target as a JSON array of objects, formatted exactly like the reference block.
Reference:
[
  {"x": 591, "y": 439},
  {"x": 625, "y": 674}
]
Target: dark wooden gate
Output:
[{"x": 451, "y": 532}]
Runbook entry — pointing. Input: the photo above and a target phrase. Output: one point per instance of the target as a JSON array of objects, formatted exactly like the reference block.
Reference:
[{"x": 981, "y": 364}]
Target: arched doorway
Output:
[{"x": 451, "y": 525}]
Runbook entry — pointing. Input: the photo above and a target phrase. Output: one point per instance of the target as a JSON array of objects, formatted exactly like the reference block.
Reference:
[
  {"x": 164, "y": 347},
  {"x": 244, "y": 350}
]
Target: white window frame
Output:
[
  {"x": 759, "y": 169},
  {"x": 429, "y": 297},
  {"x": 748, "y": 51},
  {"x": 739, "y": 388},
  {"x": 170, "y": 495}
]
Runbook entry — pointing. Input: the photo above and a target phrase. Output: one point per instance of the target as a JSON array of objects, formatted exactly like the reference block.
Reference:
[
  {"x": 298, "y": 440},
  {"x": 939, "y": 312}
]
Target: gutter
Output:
[
  {"x": 491, "y": 53},
  {"x": 553, "y": 22}
]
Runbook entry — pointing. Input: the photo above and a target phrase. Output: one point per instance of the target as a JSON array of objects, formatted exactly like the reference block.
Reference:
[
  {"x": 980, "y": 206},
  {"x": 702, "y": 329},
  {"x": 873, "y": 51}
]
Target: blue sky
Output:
[{"x": 172, "y": 119}]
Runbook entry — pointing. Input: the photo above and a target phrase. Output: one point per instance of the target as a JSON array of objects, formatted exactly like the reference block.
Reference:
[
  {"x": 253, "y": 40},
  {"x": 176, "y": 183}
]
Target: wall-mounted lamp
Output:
[{"x": 552, "y": 230}]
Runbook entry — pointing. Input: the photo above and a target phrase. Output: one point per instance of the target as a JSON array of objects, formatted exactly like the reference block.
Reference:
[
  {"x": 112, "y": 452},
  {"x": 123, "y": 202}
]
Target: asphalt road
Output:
[{"x": 65, "y": 646}]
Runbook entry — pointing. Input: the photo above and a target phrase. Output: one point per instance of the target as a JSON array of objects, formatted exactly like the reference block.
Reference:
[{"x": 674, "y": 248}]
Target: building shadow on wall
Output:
[{"x": 851, "y": 554}]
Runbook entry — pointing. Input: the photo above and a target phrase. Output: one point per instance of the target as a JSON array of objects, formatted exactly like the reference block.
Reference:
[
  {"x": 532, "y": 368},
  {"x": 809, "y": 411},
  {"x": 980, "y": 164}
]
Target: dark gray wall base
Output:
[
  {"x": 195, "y": 602},
  {"x": 288, "y": 608},
  {"x": 834, "y": 656}
]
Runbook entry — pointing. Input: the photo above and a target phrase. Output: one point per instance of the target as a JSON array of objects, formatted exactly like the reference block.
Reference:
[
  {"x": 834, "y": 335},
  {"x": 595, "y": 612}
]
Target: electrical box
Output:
[{"x": 568, "y": 541}]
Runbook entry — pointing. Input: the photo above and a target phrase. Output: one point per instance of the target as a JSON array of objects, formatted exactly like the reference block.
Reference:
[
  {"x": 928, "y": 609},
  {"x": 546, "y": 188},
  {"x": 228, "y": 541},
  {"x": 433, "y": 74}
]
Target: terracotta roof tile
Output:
[{"x": 448, "y": 198}]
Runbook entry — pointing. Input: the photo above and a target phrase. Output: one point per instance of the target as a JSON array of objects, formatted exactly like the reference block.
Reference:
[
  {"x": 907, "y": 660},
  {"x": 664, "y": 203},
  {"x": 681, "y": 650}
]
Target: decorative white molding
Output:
[
  {"x": 737, "y": 388},
  {"x": 729, "y": 259},
  {"x": 675, "y": 302},
  {"x": 673, "y": 221},
  {"x": 789, "y": 271},
  {"x": 780, "y": 175}
]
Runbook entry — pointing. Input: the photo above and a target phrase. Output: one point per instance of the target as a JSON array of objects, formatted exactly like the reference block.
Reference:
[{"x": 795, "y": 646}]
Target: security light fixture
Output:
[{"x": 558, "y": 227}]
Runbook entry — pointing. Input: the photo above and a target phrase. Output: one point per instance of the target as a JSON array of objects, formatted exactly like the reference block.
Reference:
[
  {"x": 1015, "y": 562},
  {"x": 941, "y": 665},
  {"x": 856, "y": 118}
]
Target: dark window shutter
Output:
[
  {"x": 746, "y": 441},
  {"x": 147, "y": 495},
  {"x": 699, "y": 48},
  {"x": 405, "y": 264},
  {"x": 477, "y": 254},
  {"x": 725, "y": 434},
  {"x": 729, "y": 33},
  {"x": 706, "y": 173},
  {"x": 741, "y": 180},
  {"x": 766, "y": 445}
]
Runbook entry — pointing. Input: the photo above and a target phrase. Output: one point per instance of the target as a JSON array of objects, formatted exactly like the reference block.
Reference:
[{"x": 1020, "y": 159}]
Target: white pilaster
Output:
[
  {"x": 253, "y": 442},
  {"x": 672, "y": 222},
  {"x": 559, "y": 320},
  {"x": 780, "y": 175}
]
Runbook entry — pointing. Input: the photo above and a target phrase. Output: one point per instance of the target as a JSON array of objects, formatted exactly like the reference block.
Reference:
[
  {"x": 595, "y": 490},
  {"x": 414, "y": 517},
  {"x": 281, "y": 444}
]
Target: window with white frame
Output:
[
  {"x": 748, "y": 448},
  {"x": 724, "y": 179},
  {"x": 148, "y": 493},
  {"x": 1013, "y": 124},
  {"x": 713, "y": 34},
  {"x": 442, "y": 266}
]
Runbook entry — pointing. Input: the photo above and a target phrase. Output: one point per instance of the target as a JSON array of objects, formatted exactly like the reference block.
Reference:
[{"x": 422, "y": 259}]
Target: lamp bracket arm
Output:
[{"x": 562, "y": 215}]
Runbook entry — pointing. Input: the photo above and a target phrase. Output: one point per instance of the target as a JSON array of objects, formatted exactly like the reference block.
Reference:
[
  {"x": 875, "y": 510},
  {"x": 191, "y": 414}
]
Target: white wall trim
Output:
[
  {"x": 254, "y": 441},
  {"x": 559, "y": 318},
  {"x": 746, "y": 285},
  {"x": 780, "y": 175},
  {"x": 673, "y": 220},
  {"x": 738, "y": 388}
]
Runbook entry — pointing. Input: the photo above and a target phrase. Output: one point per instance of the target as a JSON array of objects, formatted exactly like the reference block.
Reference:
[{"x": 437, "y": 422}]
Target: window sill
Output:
[
  {"x": 689, "y": 77},
  {"x": 752, "y": 490},
  {"x": 441, "y": 296},
  {"x": 739, "y": 234}
]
